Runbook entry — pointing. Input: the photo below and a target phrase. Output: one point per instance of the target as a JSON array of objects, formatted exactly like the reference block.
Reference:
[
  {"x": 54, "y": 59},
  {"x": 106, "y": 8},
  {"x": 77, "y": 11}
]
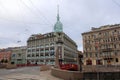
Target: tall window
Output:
[
  {"x": 90, "y": 54},
  {"x": 96, "y": 54},
  {"x": 19, "y": 55},
  {"x": 46, "y": 54},
  {"x": 117, "y": 60},
  {"x": 115, "y": 53},
  {"x": 41, "y": 49},
  {"x": 41, "y": 60},
  {"x": 86, "y": 54},
  {"x": 52, "y": 54},
  {"x": 51, "y": 48},
  {"x": 99, "y": 62},
  {"x": 33, "y": 50},
  {"x": 89, "y": 62},
  {"x": 41, "y": 54},
  {"x": 37, "y": 50},
  {"x": 114, "y": 46},
  {"x": 28, "y": 55},
  {"x": 33, "y": 55},
  {"x": 37, "y": 55}
]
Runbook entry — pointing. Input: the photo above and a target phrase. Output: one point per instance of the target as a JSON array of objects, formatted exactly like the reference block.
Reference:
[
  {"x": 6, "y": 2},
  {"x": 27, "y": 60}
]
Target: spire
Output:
[
  {"x": 58, "y": 27},
  {"x": 58, "y": 17}
]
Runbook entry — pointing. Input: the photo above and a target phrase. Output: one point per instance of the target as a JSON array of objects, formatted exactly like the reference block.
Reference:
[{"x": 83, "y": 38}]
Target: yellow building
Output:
[{"x": 101, "y": 45}]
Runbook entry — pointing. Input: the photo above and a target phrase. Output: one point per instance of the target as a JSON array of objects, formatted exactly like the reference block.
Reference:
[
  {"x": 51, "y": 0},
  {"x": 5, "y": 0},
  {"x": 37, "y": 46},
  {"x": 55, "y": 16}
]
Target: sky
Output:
[{"x": 21, "y": 18}]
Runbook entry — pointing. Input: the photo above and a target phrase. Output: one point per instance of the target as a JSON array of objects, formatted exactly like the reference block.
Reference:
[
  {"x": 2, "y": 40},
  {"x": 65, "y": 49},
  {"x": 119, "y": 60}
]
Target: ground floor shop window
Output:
[
  {"x": 99, "y": 62},
  {"x": 89, "y": 62}
]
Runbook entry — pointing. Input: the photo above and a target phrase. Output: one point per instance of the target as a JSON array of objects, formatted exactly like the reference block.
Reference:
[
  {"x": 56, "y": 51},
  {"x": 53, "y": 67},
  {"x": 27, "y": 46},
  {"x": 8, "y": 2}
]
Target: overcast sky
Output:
[{"x": 21, "y": 18}]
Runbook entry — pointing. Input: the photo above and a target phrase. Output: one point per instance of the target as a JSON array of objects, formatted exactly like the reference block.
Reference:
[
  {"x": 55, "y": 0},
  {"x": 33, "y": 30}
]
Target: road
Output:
[{"x": 26, "y": 73}]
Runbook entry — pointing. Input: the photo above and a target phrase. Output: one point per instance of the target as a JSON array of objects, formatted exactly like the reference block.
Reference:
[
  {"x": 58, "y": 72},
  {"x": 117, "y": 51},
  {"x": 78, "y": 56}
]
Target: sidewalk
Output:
[{"x": 28, "y": 74}]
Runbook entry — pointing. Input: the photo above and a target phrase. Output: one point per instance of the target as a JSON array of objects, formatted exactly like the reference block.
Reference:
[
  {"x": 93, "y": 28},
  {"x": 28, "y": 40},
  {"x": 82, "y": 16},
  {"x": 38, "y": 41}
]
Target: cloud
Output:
[{"x": 21, "y": 18}]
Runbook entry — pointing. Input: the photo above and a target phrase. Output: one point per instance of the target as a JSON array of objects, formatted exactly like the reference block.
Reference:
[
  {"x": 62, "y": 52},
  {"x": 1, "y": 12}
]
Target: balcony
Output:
[
  {"x": 49, "y": 56},
  {"x": 107, "y": 50},
  {"x": 42, "y": 57},
  {"x": 108, "y": 56}
]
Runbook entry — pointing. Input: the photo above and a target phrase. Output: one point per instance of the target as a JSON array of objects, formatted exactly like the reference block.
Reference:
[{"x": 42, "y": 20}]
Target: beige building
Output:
[
  {"x": 101, "y": 45},
  {"x": 42, "y": 48},
  {"x": 45, "y": 48}
]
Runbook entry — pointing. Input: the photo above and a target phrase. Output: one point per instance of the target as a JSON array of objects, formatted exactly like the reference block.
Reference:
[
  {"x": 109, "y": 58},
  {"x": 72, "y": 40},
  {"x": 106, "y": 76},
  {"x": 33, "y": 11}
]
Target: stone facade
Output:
[
  {"x": 101, "y": 45},
  {"x": 42, "y": 48}
]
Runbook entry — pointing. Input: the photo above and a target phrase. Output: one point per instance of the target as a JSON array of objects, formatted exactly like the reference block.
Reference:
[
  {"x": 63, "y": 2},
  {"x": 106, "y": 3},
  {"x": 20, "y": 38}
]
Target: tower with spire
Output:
[
  {"x": 57, "y": 45},
  {"x": 58, "y": 27}
]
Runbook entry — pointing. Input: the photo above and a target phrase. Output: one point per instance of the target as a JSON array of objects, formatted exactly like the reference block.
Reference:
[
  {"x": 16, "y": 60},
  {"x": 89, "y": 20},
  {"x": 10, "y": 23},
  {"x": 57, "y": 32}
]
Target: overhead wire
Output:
[
  {"x": 17, "y": 21},
  {"x": 7, "y": 19},
  {"x": 31, "y": 10},
  {"x": 116, "y": 3},
  {"x": 2, "y": 18},
  {"x": 39, "y": 11},
  {"x": 24, "y": 23}
]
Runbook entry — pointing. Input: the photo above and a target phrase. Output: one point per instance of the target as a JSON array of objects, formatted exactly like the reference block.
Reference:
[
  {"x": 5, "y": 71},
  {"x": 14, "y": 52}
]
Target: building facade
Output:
[
  {"x": 5, "y": 55},
  {"x": 18, "y": 55},
  {"x": 45, "y": 48},
  {"x": 101, "y": 45}
]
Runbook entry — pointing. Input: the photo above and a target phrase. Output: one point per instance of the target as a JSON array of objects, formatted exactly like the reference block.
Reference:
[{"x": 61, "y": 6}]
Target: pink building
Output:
[{"x": 5, "y": 54}]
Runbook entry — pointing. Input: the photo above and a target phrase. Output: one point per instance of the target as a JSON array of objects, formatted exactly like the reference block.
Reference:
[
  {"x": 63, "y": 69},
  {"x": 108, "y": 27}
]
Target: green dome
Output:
[{"x": 58, "y": 27}]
